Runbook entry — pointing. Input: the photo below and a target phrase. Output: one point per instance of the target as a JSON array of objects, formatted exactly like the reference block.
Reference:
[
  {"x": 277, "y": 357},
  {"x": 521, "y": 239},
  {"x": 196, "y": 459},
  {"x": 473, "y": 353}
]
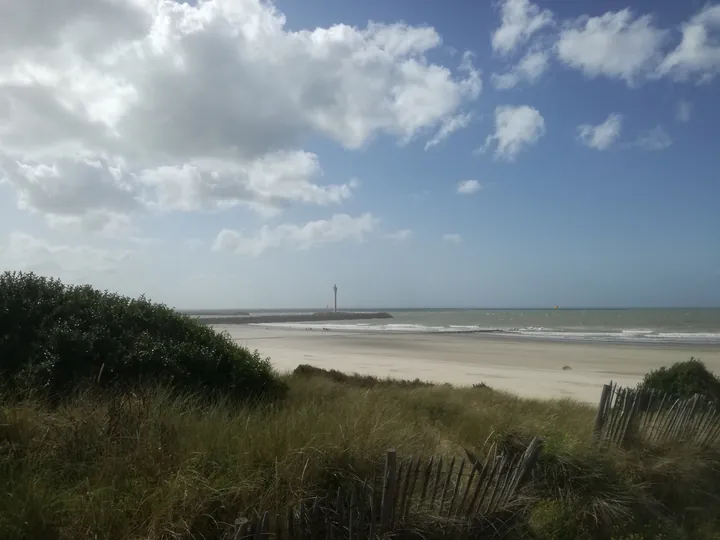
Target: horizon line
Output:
[{"x": 447, "y": 308}]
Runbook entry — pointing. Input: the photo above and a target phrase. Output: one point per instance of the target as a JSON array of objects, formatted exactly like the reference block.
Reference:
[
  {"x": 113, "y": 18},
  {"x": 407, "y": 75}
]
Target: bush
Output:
[
  {"x": 684, "y": 379},
  {"x": 53, "y": 337}
]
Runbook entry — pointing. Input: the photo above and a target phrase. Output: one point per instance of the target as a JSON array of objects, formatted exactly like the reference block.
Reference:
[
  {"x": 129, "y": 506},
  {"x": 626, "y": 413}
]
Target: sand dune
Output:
[{"x": 526, "y": 367}]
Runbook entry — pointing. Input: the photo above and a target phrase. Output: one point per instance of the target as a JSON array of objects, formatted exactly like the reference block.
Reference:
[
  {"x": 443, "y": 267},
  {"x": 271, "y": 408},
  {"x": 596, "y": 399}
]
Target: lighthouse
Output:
[{"x": 335, "y": 291}]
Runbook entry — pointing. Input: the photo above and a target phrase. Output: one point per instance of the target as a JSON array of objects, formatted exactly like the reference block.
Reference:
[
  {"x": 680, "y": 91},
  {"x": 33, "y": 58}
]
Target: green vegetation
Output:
[
  {"x": 154, "y": 464},
  {"x": 119, "y": 458},
  {"x": 684, "y": 380},
  {"x": 55, "y": 337}
]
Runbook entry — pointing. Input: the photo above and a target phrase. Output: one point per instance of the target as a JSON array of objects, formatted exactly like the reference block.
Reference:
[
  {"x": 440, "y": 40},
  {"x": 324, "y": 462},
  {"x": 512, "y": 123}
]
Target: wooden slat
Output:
[
  {"x": 614, "y": 416},
  {"x": 406, "y": 486},
  {"x": 437, "y": 481},
  {"x": 290, "y": 524},
  {"x": 401, "y": 474},
  {"x": 483, "y": 486},
  {"x": 487, "y": 467},
  {"x": 373, "y": 514},
  {"x": 458, "y": 481},
  {"x": 443, "y": 494},
  {"x": 328, "y": 523},
  {"x": 600, "y": 415},
  {"x": 497, "y": 483},
  {"x": 426, "y": 481},
  {"x": 652, "y": 431},
  {"x": 389, "y": 489},
  {"x": 628, "y": 427},
  {"x": 411, "y": 489},
  {"x": 467, "y": 489}
]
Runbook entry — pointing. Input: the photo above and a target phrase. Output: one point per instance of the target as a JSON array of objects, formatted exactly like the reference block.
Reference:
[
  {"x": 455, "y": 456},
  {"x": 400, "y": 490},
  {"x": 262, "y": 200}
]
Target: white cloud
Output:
[
  {"x": 698, "y": 54},
  {"x": 28, "y": 253},
  {"x": 616, "y": 45},
  {"x": 269, "y": 181},
  {"x": 684, "y": 111},
  {"x": 113, "y": 106},
  {"x": 530, "y": 68},
  {"x": 655, "y": 139},
  {"x": 339, "y": 228},
  {"x": 399, "y": 236},
  {"x": 603, "y": 135},
  {"x": 452, "y": 238},
  {"x": 468, "y": 187},
  {"x": 520, "y": 19},
  {"x": 85, "y": 193},
  {"x": 515, "y": 129},
  {"x": 448, "y": 127}
]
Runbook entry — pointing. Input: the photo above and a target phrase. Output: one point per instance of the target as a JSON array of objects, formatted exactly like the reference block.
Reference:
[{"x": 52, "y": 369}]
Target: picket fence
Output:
[
  {"x": 413, "y": 498},
  {"x": 469, "y": 497},
  {"x": 629, "y": 415}
]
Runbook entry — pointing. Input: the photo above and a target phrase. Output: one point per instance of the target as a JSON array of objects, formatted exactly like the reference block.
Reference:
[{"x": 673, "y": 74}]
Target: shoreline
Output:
[
  {"x": 499, "y": 334},
  {"x": 527, "y": 367}
]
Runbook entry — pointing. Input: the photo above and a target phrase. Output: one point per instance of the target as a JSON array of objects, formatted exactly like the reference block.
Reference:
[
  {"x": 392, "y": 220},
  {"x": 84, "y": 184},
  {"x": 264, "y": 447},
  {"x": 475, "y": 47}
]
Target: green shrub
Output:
[
  {"x": 684, "y": 379},
  {"x": 54, "y": 337}
]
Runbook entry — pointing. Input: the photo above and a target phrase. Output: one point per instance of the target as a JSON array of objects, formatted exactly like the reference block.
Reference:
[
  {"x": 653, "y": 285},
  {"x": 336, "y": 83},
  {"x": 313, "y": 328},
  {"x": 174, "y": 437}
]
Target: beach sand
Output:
[{"x": 526, "y": 367}]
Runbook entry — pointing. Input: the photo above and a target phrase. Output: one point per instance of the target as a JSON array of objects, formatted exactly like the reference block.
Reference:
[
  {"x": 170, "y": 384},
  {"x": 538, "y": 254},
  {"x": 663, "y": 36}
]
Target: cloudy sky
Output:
[{"x": 238, "y": 153}]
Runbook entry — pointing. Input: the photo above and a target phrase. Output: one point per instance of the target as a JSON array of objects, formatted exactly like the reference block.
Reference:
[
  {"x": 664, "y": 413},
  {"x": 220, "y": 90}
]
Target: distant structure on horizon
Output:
[{"x": 335, "y": 291}]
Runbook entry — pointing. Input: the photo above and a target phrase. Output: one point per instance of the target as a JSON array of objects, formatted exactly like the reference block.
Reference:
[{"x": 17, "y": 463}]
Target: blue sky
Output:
[{"x": 458, "y": 154}]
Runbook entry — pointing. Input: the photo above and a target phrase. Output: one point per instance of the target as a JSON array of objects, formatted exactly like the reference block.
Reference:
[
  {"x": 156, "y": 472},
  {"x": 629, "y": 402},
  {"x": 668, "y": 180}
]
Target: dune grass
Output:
[{"x": 157, "y": 465}]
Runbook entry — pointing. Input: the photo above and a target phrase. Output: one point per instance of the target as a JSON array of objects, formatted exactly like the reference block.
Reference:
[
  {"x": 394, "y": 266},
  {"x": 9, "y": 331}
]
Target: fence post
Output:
[
  {"x": 600, "y": 415},
  {"x": 389, "y": 491}
]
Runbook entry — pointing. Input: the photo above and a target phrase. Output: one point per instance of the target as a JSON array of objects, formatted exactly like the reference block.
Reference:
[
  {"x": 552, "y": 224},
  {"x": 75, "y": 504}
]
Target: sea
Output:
[{"x": 677, "y": 325}]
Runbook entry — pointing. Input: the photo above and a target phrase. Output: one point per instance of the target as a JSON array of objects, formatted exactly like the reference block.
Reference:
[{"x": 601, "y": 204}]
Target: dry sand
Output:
[{"x": 527, "y": 367}]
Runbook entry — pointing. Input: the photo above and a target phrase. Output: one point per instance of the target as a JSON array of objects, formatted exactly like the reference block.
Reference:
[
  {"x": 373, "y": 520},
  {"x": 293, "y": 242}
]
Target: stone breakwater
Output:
[{"x": 322, "y": 316}]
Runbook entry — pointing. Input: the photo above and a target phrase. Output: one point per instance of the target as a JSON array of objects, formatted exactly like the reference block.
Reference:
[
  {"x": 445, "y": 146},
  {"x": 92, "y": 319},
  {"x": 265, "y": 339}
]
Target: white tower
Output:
[{"x": 335, "y": 291}]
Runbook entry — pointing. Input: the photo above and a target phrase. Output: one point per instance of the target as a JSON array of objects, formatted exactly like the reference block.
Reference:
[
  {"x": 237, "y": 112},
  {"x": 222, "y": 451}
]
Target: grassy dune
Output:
[{"x": 157, "y": 465}]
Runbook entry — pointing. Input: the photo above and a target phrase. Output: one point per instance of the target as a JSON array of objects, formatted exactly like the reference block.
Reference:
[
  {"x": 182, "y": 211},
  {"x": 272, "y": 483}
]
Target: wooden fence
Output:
[
  {"x": 410, "y": 499},
  {"x": 627, "y": 415}
]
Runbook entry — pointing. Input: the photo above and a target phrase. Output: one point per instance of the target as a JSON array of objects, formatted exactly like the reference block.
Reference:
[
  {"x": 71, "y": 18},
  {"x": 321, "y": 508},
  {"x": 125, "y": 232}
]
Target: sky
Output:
[{"x": 417, "y": 153}]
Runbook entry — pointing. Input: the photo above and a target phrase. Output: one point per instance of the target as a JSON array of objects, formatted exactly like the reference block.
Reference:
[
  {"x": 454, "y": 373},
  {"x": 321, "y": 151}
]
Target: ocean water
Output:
[{"x": 697, "y": 326}]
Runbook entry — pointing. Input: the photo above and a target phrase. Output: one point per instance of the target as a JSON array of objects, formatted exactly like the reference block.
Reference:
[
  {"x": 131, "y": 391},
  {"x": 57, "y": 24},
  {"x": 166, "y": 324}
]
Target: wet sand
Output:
[{"x": 527, "y": 367}]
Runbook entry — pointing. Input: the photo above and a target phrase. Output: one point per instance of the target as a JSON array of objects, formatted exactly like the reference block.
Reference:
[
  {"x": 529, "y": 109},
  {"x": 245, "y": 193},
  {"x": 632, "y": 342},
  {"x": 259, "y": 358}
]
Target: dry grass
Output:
[{"x": 154, "y": 466}]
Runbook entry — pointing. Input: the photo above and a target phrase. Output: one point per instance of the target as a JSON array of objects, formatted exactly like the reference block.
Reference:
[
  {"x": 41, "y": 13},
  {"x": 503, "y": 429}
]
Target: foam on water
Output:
[{"x": 630, "y": 335}]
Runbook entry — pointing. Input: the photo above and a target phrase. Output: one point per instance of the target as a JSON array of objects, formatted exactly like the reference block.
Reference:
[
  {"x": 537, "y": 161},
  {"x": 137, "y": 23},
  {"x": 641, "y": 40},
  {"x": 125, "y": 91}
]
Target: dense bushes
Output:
[
  {"x": 684, "y": 379},
  {"x": 53, "y": 337}
]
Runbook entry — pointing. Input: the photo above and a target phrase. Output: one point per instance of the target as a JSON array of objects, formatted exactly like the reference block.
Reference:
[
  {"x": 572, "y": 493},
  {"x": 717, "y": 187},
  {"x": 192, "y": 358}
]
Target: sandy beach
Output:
[{"x": 527, "y": 367}]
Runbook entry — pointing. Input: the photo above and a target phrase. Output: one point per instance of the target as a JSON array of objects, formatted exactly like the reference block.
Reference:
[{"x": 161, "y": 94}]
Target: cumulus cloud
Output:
[
  {"x": 603, "y": 135},
  {"x": 655, "y": 139},
  {"x": 529, "y": 69},
  {"x": 698, "y": 53},
  {"x": 25, "y": 252},
  {"x": 452, "y": 238},
  {"x": 520, "y": 20},
  {"x": 683, "y": 111},
  {"x": 616, "y": 45},
  {"x": 399, "y": 236},
  {"x": 468, "y": 187},
  {"x": 516, "y": 128},
  {"x": 338, "y": 228},
  {"x": 111, "y": 107},
  {"x": 620, "y": 44}
]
